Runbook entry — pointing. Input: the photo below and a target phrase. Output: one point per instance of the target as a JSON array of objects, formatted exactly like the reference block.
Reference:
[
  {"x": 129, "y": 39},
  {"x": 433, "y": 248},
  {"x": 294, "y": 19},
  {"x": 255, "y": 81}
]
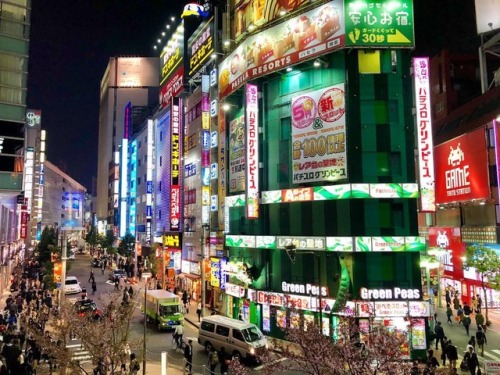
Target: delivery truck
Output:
[{"x": 164, "y": 308}]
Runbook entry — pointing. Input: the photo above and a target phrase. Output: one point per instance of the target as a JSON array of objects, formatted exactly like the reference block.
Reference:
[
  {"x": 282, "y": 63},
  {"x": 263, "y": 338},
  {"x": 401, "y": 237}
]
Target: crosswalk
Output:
[
  {"x": 489, "y": 355},
  {"x": 79, "y": 354}
]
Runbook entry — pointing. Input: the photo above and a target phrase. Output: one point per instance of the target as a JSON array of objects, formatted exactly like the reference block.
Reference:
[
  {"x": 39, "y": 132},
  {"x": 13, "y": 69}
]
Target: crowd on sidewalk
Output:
[{"x": 26, "y": 312}]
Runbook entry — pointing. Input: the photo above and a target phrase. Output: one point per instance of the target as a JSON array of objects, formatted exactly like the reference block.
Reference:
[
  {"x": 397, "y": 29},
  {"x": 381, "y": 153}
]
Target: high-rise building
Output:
[
  {"x": 14, "y": 52},
  {"x": 127, "y": 82}
]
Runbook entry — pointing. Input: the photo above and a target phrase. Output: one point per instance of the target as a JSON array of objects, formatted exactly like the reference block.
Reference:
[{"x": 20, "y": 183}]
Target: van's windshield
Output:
[
  {"x": 169, "y": 310},
  {"x": 251, "y": 334}
]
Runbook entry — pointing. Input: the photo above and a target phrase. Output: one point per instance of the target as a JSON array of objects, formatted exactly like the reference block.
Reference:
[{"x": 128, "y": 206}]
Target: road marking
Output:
[{"x": 258, "y": 368}]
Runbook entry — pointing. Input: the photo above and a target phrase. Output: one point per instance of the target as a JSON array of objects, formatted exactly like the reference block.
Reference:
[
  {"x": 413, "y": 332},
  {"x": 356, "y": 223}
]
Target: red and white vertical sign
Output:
[
  {"x": 424, "y": 134},
  {"x": 252, "y": 151}
]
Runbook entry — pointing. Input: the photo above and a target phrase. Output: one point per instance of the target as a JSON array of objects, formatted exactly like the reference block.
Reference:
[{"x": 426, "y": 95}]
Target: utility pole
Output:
[{"x": 64, "y": 258}]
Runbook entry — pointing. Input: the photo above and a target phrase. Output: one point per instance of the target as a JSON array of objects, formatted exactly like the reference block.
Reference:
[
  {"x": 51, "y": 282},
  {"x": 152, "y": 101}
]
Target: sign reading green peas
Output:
[{"x": 379, "y": 23}]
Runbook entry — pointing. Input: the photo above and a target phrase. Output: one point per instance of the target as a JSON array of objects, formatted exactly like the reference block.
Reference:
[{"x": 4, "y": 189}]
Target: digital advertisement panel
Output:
[
  {"x": 462, "y": 168},
  {"x": 172, "y": 54},
  {"x": 237, "y": 155},
  {"x": 200, "y": 46},
  {"x": 315, "y": 32},
  {"x": 449, "y": 239},
  {"x": 319, "y": 136},
  {"x": 175, "y": 157},
  {"x": 379, "y": 23},
  {"x": 424, "y": 134}
]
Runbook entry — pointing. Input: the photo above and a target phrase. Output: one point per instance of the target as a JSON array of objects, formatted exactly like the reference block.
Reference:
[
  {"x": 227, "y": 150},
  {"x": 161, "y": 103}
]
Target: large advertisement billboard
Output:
[
  {"x": 171, "y": 67},
  {"x": 250, "y": 14},
  {"x": 201, "y": 46},
  {"x": 319, "y": 135},
  {"x": 448, "y": 239},
  {"x": 175, "y": 159},
  {"x": 300, "y": 38},
  {"x": 462, "y": 168},
  {"x": 252, "y": 151}
]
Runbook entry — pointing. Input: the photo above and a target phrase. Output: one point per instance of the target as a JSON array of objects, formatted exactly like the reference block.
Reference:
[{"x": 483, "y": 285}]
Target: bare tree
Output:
[{"x": 105, "y": 334}]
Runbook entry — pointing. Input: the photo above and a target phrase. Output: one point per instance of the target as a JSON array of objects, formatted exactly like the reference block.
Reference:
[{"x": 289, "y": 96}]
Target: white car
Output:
[{"x": 72, "y": 286}]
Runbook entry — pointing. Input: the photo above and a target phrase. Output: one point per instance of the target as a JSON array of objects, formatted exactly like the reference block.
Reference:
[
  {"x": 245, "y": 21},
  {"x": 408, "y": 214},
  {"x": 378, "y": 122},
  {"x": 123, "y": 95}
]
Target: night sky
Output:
[{"x": 71, "y": 42}]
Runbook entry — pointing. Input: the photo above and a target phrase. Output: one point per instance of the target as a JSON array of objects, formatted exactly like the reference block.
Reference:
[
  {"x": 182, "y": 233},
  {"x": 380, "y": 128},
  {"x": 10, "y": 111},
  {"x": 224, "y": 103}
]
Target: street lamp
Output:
[{"x": 144, "y": 328}]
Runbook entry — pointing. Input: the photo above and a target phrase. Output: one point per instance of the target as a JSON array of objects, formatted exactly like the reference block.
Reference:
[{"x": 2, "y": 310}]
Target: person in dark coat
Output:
[
  {"x": 224, "y": 361},
  {"x": 472, "y": 360},
  {"x": 439, "y": 331},
  {"x": 188, "y": 356},
  {"x": 452, "y": 354}
]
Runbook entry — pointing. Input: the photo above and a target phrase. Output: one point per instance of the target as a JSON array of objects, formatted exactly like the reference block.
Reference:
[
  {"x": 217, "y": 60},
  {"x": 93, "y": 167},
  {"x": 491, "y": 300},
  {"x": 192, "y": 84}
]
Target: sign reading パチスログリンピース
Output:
[
  {"x": 379, "y": 23},
  {"x": 300, "y": 38},
  {"x": 319, "y": 136}
]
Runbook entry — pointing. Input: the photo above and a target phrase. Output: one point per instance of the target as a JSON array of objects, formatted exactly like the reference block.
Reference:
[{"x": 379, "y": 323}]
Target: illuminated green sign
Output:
[{"x": 382, "y": 23}]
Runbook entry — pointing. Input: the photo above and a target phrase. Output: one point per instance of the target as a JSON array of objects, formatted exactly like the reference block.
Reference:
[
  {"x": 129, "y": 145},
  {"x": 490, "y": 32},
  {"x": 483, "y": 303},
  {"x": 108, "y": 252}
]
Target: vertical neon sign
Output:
[
  {"x": 424, "y": 134},
  {"x": 123, "y": 187},
  {"x": 175, "y": 192},
  {"x": 252, "y": 151},
  {"x": 133, "y": 187},
  {"x": 149, "y": 179}
]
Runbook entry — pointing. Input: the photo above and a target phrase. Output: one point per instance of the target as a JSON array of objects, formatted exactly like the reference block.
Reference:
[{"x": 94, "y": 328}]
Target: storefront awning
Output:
[{"x": 190, "y": 276}]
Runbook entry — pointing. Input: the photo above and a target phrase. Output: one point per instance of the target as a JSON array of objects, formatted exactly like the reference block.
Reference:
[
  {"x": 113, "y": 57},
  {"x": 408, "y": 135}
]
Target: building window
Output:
[
  {"x": 161, "y": 135},
  {"x": 138, "y": 181},
  {"x": 160, "y": 160}
]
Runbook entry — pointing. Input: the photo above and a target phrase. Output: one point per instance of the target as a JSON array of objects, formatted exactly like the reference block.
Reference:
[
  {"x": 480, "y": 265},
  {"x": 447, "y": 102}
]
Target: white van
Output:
[{"x": 239, "y": 339}]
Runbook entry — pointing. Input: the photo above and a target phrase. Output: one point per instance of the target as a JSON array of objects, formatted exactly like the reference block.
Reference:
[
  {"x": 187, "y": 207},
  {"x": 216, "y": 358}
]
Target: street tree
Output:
[
  {"x": 126, "y": 246},
  {"x": 48, "y": 239},
  {"x": 105, "y": 334},
  {"x": 92, "y": 237},
  {"x": 486, "y": 262},
  {"x": 350, "y": 350}
]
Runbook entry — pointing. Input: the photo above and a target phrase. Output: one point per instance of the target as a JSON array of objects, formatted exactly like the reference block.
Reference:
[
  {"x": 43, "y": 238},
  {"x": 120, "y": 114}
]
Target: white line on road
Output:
[{"x": 258, "y": 368}]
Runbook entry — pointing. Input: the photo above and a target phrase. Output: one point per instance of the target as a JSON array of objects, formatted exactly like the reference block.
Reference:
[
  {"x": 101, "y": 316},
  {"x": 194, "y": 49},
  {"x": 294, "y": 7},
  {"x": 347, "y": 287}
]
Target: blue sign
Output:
[
  {"x": 190, "y": 170},
  {"x": 205, "y": 139},
  {"x": 205, "y": 176},
  {"x": 149, "y": 187},
  {"x": 149, "y": 211}
]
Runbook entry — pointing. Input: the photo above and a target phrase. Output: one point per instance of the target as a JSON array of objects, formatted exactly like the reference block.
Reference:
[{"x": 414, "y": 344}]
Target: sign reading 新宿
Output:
[{"x": 382, "y": 23}]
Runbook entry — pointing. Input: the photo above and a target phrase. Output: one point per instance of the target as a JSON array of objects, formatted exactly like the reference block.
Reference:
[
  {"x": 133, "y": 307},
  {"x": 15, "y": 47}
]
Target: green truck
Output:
[{"x": 164, "y": 308}]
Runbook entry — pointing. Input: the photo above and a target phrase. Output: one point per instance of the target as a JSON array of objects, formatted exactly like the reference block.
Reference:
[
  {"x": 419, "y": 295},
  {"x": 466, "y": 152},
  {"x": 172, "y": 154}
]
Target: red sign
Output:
[
  {"x": 24, "y": 231},
  {"x": 25, "y": 217},
  {"x": 297, "y": 195},
  {"x": 173, "y": 87},
  {"x": 462, "y": 168},
  {"x": 449, "y": 239}
]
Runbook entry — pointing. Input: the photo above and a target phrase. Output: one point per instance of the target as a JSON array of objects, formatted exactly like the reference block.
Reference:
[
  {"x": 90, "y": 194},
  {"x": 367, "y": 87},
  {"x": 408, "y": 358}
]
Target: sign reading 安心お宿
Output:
[{"x": 382, "y": 23}]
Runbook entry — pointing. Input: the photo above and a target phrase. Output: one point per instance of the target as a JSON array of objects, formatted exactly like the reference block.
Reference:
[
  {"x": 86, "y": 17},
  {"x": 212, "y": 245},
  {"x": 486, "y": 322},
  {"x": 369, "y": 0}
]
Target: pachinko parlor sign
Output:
[{"x": 319, "y": 136}]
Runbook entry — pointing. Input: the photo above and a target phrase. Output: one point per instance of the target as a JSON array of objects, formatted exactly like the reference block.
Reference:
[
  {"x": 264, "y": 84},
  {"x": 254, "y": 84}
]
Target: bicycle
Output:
[{"x": 178, "y": 343}]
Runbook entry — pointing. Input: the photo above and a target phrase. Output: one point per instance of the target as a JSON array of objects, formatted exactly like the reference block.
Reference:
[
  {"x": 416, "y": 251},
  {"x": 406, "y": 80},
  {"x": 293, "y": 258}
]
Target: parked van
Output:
[{"x": 239, "y": 339}]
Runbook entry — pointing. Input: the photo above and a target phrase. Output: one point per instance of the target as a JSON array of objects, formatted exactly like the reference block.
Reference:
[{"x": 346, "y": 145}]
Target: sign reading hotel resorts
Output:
[
  {"x": 462, "y": 168},
  {"x": 300, "y": 38},
  {"x": 382, "y": 23},
  {"x": 252, "y": 151},
  {"x": 424, "y": 134},
  {"x": 318, "y": 135}
]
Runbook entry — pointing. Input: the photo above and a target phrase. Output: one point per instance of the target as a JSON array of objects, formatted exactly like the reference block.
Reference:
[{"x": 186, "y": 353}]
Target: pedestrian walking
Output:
[
  {"x": 472, "y": 342},
  {"x": 456, "y": 303},
  {"x": 460, "y": 314},
  {"x": 481, "y": 339},
  {"x": 467, "y": 309},
  {"x": 443, "y": 351},
  {"x": 479, "y": 302},
  {"x": 452, "y": 354},
  {"x": 103, "y": 268},
  {"x": 449, "y": 314},
  {"x": 466, "y": 322},
  {"x": 224, "y": 361},
  {"x": 471, "y": 359},
  {"x": 479, "y": 320},
  {"x": 91, "y": 277},
  {"x": 448, "y": 297},
  {"x": 439, "y": 331},
  {"x": 94, "y": 287},
  {"x": 473, "y": 303},
  {"x": 130, "y": 292},
  {"x": 198, "y": 311},
  {"x": 188, "y": 356},
  {"x": 213, "y": 360},
  {"x": 134, "y": 366}
]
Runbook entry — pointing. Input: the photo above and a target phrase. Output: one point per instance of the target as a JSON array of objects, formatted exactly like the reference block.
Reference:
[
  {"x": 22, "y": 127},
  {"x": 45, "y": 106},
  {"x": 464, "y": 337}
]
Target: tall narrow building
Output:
[
  {"x": 128, "y": 82},
  {"x": 14, "y": 52}
]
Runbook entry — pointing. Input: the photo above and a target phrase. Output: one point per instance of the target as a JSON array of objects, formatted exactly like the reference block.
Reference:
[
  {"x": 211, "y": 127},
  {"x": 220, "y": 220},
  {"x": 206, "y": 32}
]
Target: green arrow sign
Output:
[{"x": 383, "y": 23}]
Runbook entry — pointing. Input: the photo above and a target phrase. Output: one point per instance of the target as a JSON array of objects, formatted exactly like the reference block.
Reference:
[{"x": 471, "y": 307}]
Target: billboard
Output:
[
  {"x": 252, "y": 151},
  {"x": 379, "y": 23},
  {"x": 449, "y": 239},
  {"x": 201, "y": 46},
  {"x": 172, "y": 87},
  {"x": 424, "y": 134},
  {"x": 487, "y": 15},
  {"x": 300, "y": 38},
  {"x": 172, "y": 55},
  {"x": 462, "y": 168},
  {"x": 237, "y": 154},
  {"x": 319, "y": 135},
  {"x": 257, "y": 13}
]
